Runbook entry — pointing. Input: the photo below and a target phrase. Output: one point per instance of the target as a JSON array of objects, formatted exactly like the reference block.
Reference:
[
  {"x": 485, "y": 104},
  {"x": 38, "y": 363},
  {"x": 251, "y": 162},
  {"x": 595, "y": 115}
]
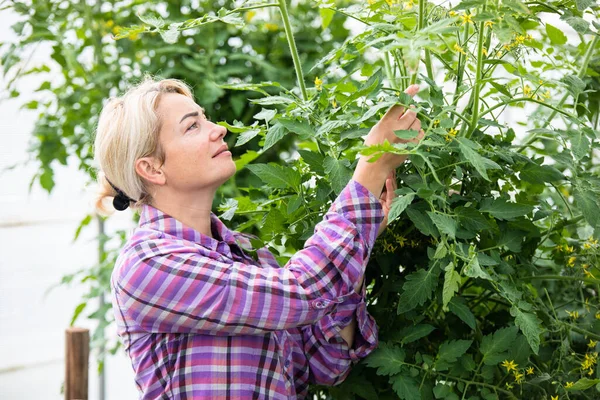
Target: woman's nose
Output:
[{"x": 219, "y": 131}]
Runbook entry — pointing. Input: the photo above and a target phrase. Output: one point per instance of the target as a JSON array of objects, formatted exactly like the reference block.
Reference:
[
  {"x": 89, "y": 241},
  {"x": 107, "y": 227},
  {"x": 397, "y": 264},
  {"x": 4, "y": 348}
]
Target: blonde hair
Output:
[{"x": 128, "y": 130}]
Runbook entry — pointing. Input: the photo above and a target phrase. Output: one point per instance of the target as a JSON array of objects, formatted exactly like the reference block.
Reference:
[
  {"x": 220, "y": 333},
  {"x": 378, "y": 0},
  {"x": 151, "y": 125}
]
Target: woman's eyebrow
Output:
[{"x": 192, "y": 114}]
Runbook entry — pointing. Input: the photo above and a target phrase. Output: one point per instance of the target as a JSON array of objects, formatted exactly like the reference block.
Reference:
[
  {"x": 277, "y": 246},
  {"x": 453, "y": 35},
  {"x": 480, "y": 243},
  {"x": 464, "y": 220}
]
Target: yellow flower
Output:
[
  {"x": 371, "y": 2},
  {"x": 554, "y": 397},
  {"x": 414, "y": 243},
  {"x": 587, "y": 246},
  {"x": 318, "y": 83},
  {"x": 466, "y": 19},
  {"x": 459, "y": 49},
  {"x": 569, "y": 385},
  {"x": 598, "y": 315},
  {"x": 436, "y": 123},
  {"x": 526, "y": 90},
  {"x": 110, "y": 23},
  {"x": 509, "y": 365},
  {"x": 250, "y": 15},
  {"x": 271, "y": 27},
  {"x": 488, "y": 24},
  {"x": 498, "y": 53},
  {"x": 547, "y": 94},
  {"x": 569, "y": 249},
  {"x": 530, "y": 371},
  {"x": 508, "y": 385},
  {"x": 571, "y": 261},
  {"x": 451, "y": 134},
  {"x": 334, "y": 103},
  {"x": 573, "y": 314},
  {"x": 590, "y": 372},
  {"x": 520, "y": 39},
  {"x": 588, "y": 274},
  {"x": 401, "y": 240},
  {"x": 592, "y": 240},
  {"x": 592, "y": 344},
  {"x": 484, "y": 51},
  {"x": 452, "y": 13},
  {"x": 506, "y": 47},
  {"x": 388, "y": 247},
  {"x": 410, "y": 4},
  {"x": 518, "y": 376},
  {"x": 528, "y": 37}
]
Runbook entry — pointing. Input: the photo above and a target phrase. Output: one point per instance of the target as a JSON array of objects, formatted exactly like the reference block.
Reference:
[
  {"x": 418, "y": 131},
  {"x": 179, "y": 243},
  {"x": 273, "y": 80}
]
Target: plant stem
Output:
[
  {"x": 292, "y": 43},
  {"x": 460, "y": 68},
  {"x": 525, "y": 99},
  {"x": 581, "y": 330},
  {"x": 477, "y": 89},
  {"x": 388, "y": 70},
  {"x": 420, "y": 25},
  {"x": 562, "y": 278},
  {"x": 580, "y": 74}
]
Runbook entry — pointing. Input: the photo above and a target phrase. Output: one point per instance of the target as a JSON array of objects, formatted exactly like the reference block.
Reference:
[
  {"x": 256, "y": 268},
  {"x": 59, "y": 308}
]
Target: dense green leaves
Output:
[{"x": 494, "y": 346}]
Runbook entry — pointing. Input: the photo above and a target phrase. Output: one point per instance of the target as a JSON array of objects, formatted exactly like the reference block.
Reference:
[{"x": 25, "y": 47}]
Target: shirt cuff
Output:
[
  {"x": 357, "y": 204},
  {"x": 366, "y": 334}
]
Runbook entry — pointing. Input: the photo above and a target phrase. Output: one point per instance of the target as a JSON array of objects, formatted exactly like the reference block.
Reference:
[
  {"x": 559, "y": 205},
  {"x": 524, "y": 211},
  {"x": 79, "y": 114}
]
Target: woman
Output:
[{"x": 199, "y": 318}]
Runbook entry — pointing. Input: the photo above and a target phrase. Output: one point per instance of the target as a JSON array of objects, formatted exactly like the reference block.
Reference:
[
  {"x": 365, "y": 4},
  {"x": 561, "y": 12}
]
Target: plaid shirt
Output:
[{"x": 200, "y": 319}]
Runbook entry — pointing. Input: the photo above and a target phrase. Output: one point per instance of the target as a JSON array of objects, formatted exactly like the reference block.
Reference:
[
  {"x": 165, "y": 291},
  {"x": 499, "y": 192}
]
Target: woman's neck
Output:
[{"x": 191, "y": 209}]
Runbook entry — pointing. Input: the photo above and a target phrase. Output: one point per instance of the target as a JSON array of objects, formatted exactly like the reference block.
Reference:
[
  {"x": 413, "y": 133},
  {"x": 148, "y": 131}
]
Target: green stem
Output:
[
  {"x": 292, "y": 43},
  {"x": 489, "y": 110},
  {"x": 580, "y": 74},
  {"x": 581, "y": 330},
  {"x": 591, "y": 281},
  {"x": 388, "y": 70},
  {"x": 477, "y": 89},
  {"x": 460, "y": 68},
  {"x": 483, "y": 384},
  {"x": 421, "y": 25}
]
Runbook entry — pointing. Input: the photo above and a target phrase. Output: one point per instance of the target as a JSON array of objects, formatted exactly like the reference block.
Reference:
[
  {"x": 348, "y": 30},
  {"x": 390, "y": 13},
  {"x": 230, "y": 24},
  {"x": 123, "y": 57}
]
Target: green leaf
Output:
[
  {"x": 530, "y": 325},
  {"x": 405, "y": 387},
  {"x": 266, "y": 114},
  {"x": 535, "y": 173},
  {"x": 153, "y": 20},
  {"x": 84, "y": 222},
  {"x": 445, "y": 223},
  {"x": 580, "y": 144},
  {"x": 399, "y": 204},
  {"x": 573, "y": 84},
  {"x": 245, "y": 159},
  {"x": 413, "y": 333},
  {"x": 584, "y": 383},
  {"x": 47, "y": 179},
  {"x": 326, "y": 17},
  {"x": 275, "y": 133},
  {"x": 472, "y": 219},
  {"x": 583, "y": 4},
  {"x": 387, "y": 358},
  {"x": 502, "y": 209},
  {"x": 301, "y": 128},
  {"x": 474, "y": 270},
  {"x": 452, "y": 281},
  {"x": 451, "y": 350},
  {"x": 272, "y": 100},
  {"x": 276, "y": 176},
  {"x": 77, "y": 312},
  {"x": 314, "y": 160},
  {"x": 422, "y": 222},
  {"x": 339, "y": 173},
  {"x": 494, "y": 346},
  {"x": 480, "y": 163},
  {"x": 246, "y": 136},
  {"x": 587, "y": 202},
  {"x": 406, "y": 134},
  {"x": 579, "y": 24},
  {"x": 419, "y": 286},
  {"x": 458, "y": 307},
  {"x": 556, "y": 35}
]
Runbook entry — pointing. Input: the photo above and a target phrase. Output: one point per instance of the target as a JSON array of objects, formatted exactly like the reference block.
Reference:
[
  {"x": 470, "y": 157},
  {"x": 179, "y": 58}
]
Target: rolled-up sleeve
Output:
[{"x": 170, "y": 287}]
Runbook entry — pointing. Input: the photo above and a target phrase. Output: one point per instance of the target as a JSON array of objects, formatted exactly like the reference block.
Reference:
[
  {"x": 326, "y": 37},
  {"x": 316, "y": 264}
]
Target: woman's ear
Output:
[{"x": 149, "y": 170}]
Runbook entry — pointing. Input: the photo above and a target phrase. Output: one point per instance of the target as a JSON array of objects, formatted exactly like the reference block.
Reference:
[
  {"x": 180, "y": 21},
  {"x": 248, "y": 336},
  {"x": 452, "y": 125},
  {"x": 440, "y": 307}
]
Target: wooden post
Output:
[{"x": 77, "y": 352}]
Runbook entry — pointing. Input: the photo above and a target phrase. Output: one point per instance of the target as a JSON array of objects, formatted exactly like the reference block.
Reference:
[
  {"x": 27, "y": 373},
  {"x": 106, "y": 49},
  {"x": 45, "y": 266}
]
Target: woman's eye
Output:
[{"x": 191, "y": 126}]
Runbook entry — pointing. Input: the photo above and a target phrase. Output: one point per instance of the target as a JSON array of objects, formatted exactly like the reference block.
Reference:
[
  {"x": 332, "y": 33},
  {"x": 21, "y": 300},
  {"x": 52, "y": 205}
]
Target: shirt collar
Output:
[{"x": 155, "y": 219}]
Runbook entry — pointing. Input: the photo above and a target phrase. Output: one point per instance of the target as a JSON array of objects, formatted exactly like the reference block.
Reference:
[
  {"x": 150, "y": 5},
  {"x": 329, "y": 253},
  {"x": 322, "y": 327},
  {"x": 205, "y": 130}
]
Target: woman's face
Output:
[{"x": 193, "y": 146}]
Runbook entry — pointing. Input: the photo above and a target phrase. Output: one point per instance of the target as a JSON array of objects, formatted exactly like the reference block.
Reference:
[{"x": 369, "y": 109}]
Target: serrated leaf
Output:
[
  {"x": 339, "y": 173},
  {"x": 534, "y": 173},
  {"x": 580, "y": 144},
  {"x": 314, "y": 160},
  {"x": 406, "y": 134},
  {"x": 418, "y": 288},
  {"x": 422, "y": 222},
  {"x": 583, "y": 4},
  {"x": 583, "y": 384},
  {"x": 474, "y": 270},
  {"x": 458, "y": 307},
  {"x": 494, "y": 345},
  {"x": 266, "y": 114},
  {"x": 480, "y": 163},
  {"x": 276, "y": 176},
  {"x": 153, "y": 20},
  {"x": 275, "y": 133},
  {"x": 451, "y": 350},
  {"x": 272, "y": 100},
  {"x": 502, "y": 209},
  {"x": 472, "y": 219},
  {"x": 587, "y": 202},
  {"x": 399, "y": 204},
  {"x": 405, "y": 387},
  {"x": 388, "y": 359},
  {"x": 445, "y": 223},
  {"x": 301, "y": 128},
  {"x": 556, "y": 35},
  {"x": 574, "y": 84},
  {"x": 530, "y": 325},
  {"x": 413, "y": 333},
  {"x": 246, "y": 136},
  {"x": 452, "y": 281},
  {"x": 579, "y": 24},
  {"x": 326, "y": 17}
]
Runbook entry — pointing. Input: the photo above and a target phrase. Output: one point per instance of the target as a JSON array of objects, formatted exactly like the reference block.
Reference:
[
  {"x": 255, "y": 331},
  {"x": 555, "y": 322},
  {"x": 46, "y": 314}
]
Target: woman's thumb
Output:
[{"x": 412, "y": 89}]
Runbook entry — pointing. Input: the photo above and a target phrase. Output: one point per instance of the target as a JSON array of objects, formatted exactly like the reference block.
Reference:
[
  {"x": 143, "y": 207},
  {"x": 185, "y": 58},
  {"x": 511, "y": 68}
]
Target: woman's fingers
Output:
[{"x": 395, "y": 112}]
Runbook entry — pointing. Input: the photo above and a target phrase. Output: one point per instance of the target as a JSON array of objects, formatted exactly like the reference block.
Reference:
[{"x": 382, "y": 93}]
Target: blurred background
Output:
[{"x": 37, "y": 228}]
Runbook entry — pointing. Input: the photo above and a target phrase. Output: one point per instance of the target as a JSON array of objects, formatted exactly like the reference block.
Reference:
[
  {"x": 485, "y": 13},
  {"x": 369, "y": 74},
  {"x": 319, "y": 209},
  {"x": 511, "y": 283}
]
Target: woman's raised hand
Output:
[
  {"x": 395, "y": 119},
  {"x": 373, "y": 175}
]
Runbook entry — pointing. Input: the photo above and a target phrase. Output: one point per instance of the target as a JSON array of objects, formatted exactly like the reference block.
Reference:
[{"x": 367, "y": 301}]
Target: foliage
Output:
[{"x": 485, "y": 285}]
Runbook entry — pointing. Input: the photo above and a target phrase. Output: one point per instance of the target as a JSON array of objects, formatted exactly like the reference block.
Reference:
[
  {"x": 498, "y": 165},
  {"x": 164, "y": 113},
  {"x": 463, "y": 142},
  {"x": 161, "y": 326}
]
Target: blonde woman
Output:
[{"x": 198, "y": 317}]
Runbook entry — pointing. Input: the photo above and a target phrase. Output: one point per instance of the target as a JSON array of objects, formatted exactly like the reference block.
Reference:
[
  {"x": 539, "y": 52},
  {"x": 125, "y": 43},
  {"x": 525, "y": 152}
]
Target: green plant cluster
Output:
[{"x": 486, "y": 283}]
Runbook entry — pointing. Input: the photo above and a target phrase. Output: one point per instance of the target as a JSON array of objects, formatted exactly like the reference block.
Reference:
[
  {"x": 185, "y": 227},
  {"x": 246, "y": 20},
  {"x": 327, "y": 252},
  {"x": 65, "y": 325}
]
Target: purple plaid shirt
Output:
[{"x": 200, "y": 319}]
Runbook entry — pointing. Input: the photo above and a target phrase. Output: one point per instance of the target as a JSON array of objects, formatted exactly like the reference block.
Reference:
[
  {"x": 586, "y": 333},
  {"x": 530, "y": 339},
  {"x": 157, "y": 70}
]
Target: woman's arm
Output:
[{"x": 167, "y": 286}]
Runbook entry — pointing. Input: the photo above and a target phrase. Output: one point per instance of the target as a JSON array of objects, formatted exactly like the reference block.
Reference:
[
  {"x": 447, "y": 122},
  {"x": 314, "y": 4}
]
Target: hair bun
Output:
[{"x": 120, "y": 202}]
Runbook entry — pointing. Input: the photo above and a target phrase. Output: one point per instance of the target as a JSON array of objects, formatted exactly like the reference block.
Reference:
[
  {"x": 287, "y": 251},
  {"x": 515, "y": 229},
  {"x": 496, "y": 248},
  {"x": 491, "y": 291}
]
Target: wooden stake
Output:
[{"x": 77, "y": 352}]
